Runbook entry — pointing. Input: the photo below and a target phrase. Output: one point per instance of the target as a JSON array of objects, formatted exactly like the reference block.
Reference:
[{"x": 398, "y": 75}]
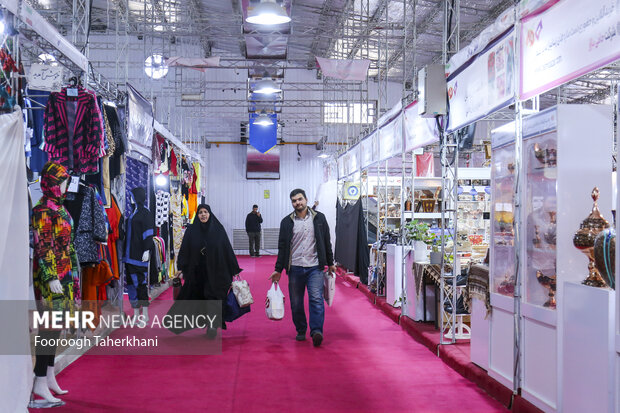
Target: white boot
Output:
[
  {"x": 40, "y": 389},
  {"x": 145, "y": 314},
  {"x": 52, "y": 383}
]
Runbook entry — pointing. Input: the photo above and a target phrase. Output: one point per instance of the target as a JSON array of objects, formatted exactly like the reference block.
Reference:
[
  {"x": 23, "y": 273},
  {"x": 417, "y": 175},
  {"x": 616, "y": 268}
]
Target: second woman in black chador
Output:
[{"x": 206, "y": 260}]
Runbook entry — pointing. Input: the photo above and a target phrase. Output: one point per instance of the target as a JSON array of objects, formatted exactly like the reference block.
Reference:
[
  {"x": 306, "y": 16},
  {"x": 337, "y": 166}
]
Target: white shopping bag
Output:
[
  {"x": 274, "y": 304},
  {"x": 329, "y": 287},
  {"x": 241, "y": 289}
]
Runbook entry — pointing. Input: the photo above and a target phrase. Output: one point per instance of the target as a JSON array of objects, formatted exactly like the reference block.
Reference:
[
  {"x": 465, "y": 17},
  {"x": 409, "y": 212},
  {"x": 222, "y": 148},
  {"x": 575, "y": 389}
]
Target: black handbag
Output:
[
  {"x": 232, "y": 311},
  {"x": 176, "y": 287}
]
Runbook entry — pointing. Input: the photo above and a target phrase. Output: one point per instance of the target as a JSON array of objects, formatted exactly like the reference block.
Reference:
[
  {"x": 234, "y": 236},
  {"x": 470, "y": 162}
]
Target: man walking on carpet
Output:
[
  {"x": 252, "y": 227},
  {"x": 304, "y": 249}
]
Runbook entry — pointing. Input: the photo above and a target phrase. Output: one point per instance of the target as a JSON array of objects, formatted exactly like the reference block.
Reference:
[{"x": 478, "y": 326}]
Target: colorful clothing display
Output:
[
  {"x": 114, "y": 218},
  {"x": 54, "y": 255},
  {"x": 90, "y": 223},
  {"x": 73, "y": 131},
  {"x": 162, "y": 208}
]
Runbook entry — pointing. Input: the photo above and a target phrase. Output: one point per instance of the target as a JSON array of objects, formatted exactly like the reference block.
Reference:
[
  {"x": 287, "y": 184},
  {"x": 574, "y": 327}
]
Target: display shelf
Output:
[
  {"x": 502, "y": 275},
  {"x": 427, "y": 215},
  {"x": 559, "y": 173}
]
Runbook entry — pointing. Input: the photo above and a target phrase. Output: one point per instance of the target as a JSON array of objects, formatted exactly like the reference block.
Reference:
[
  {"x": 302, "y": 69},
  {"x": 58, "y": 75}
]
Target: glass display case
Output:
[
  {"x": 540, "y": 162},
  {"x": 502, "y": 264}
]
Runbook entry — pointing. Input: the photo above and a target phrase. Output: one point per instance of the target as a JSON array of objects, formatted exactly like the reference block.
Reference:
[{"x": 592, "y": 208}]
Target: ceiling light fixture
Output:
[
  {"x": 155, "y": 66},
  {"x": 191, "y": 96},
  {"x": 323, "y": 155},
  {"x": 266, "y": 87},
  {"x": 267, "y": 13},
  {"x": 263, "y": 120},
  {"x": 161, "y": 180},
  {"x": 48, "y": 59}
]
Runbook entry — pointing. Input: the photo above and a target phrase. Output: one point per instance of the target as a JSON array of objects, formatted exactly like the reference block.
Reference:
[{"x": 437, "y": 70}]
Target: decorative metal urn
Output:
[
  {"x": 549, "y": 282},
  {"x": 584, "y": 241}
]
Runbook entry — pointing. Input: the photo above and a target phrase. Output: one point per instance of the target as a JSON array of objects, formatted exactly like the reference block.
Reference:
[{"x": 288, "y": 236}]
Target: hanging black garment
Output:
[
  {"x": 119, "y": 141},
  {"x": 351, "y": 242},
  {"x": 139, "y": 233}
]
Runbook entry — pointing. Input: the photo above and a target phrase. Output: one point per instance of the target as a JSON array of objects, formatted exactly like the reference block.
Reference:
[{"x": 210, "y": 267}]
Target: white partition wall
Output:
[
  {"x": 588, "y": 357},
  {"x": 394, "y": 275},
  {"x": 566, "y": 153}
]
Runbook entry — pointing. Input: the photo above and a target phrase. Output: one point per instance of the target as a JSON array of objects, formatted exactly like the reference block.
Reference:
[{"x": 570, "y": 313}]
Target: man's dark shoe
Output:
[
  {"x": 211, "y": 333},
  {"x": 317, "y": 339},
  {"x": 300, "y": 337}
]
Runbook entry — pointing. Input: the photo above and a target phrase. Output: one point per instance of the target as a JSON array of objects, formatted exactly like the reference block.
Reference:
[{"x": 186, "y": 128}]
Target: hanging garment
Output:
[
  {"x": 196, "y": 178},
  {"x": 114, "y": 219},
  {"x": 54, "y": 253},
  {"x": 351, "y": 244},
  {"x": 139, "y": 233},
  {"x": 161, "y": 154},
  {"x": 37, "y": 99},
  {"x": 90, "y": 223},
  {"x": 73, "y": 131},
  {"x": 94, "y": 280},
  {"x": 192, "y": 203},
  {"x": 173, "y": 162},
  {"x": 118, "y": 134},
  {"x": 162, "y": 208},
  {"x": 137, "y": 174},
  {"x": 177, "y": 220}
]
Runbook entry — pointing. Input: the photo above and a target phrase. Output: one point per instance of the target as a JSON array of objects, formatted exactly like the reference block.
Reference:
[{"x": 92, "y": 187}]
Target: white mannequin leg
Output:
[
  {"x": 40, "y": 389},
  {"x": 52, "y": 383}
]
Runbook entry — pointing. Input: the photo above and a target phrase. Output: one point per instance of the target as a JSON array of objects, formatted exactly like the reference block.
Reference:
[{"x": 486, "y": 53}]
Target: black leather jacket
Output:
[{"x": 321, "y": 235}]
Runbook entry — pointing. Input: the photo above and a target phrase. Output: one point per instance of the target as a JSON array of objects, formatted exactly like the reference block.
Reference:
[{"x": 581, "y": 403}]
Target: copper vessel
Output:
[
  {"x": 549, "y": 282},
  {"x": 584, "y": 241}
]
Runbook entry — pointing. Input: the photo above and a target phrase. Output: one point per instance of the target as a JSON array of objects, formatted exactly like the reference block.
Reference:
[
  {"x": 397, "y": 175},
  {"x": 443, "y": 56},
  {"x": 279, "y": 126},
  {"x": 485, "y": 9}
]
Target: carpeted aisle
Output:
[{"x": 366, "y": 364}]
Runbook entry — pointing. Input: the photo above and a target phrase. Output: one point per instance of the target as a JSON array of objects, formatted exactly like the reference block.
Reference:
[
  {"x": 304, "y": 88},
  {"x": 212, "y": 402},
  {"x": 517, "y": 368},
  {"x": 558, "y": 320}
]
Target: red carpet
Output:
[{"x": 367, "y": 364}]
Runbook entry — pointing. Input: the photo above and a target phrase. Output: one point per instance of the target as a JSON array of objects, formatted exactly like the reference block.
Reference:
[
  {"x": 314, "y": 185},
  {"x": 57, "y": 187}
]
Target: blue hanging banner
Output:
[{"x": 263, "y": 137}]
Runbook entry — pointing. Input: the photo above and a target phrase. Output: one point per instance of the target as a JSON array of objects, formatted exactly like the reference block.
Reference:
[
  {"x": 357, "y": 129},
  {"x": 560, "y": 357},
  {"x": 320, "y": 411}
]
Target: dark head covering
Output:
[
  {"x": 211, "y": 241},
  {"x": 139, "y": 196}
]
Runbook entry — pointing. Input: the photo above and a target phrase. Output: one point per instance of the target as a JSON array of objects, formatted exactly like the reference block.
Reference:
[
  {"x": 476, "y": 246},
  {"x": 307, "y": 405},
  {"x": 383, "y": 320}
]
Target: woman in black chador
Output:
[{"x": 207, "y": 262}]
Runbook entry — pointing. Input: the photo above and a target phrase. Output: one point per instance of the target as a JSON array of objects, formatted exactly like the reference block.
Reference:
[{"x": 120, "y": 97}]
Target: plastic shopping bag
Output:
[
  {"x": 274, "y": 304},
  {"x": 241, "y": 289},
  {"x": 329, "y": 287}
]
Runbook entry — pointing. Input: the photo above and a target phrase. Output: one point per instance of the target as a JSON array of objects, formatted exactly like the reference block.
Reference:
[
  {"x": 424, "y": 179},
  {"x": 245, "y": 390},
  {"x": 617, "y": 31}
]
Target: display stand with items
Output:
[
  {"x": 500, "y": 348},
  {"x": 556, "y": 197}
]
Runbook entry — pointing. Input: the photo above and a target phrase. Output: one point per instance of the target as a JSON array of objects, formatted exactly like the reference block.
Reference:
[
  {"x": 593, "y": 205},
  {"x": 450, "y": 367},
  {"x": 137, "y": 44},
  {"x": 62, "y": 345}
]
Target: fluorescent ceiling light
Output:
[
  {"x": 266, "y": 87},
  {"x": 323, "y": 155},
  {"x": 191, "y": 96},
  {"x": 267, "y": 13},
  {"x": 1, "y": 26},
  {"x": 263, "y": 120}
]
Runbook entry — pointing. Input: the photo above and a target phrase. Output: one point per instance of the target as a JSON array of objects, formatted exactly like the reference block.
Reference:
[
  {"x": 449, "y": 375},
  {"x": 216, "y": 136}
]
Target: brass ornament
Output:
[{"x": 584, "y": 241}]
